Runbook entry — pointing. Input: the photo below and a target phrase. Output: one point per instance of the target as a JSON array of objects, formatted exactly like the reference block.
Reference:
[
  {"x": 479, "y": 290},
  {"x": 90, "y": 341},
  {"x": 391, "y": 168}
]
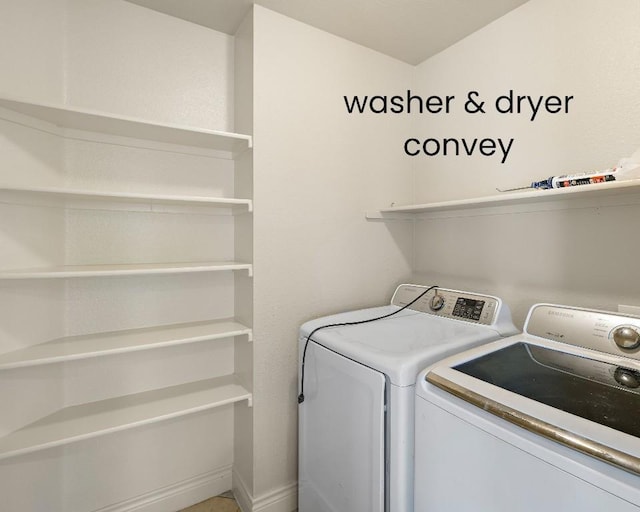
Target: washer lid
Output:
[
  {"x": 568, "y": 394},
  {"x": 399, "y": 346},
  {"x": 576, "y": 384}
]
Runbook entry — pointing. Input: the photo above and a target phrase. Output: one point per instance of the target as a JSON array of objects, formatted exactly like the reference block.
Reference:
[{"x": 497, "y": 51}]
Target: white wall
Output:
[
  {"x": 243, "y": 113},
  {"x": 316, "y": 171},
  {"x": 129, "y": 60},
  {"x": 589, "y": 49},
  {"x": 32, "y": 52}
]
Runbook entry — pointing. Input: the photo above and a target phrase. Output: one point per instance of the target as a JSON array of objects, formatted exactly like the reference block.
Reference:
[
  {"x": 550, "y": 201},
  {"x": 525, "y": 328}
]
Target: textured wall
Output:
[
  {"x": 316, "y": 171},
  {"x": 126, "y": 59},
  {"x": 32, "y": 52},
  {"x": 589, "y": 49}
]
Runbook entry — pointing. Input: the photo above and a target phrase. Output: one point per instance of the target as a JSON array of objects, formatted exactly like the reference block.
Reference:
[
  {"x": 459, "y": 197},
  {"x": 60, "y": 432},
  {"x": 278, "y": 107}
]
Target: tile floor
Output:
[{"x": 222, "y": 503}]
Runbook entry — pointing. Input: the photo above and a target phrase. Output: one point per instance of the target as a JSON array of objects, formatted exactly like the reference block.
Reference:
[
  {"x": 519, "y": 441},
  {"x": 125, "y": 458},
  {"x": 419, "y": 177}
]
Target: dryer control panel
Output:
[{"x": 459, "y": 305}]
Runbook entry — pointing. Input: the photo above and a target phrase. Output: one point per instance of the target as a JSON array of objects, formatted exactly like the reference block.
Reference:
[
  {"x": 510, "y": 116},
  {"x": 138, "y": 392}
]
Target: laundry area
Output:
[{"x": 326, "y": 256}]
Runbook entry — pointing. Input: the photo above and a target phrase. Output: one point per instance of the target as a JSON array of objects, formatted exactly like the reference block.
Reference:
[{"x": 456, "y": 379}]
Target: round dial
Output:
[
  {"x": 437, "y": 303},
  {"x": 627, "y": 377},
  {"x": 626, "y": 337}
]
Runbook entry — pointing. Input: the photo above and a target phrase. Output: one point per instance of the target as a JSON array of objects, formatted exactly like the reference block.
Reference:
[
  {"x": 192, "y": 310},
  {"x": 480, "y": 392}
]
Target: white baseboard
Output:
[
  {"x": 177, "y": 496},
  {"x": 284, "y": 499},
  {"x": 241, "y": 493}
]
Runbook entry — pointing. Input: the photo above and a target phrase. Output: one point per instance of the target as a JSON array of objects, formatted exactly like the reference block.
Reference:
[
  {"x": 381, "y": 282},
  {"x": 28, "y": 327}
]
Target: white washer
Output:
[
  {"x": 356, "y": 422},
  {"x": 545, "y": 420}
]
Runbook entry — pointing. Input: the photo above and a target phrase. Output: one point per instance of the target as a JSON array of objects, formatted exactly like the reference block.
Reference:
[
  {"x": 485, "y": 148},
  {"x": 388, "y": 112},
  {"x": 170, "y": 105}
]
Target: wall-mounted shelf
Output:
[
  {"x": 100, "y": 122},
  {"x": 559, "y": 195},
  {"x": 122, "y": 270},
  {"x": 119, "y": 342},
  {"x": 70, "y": 197},
  {"x": 116, "y": 414},
  {"x": 116, "y": 213}
]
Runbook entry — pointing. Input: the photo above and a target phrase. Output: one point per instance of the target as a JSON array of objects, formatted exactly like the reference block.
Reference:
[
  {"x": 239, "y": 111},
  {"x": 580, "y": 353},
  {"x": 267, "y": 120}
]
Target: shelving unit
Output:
[
  {"x": 73, "y": 348},
  {"x": 596, "y": 191},
  {"x": 67, "y": 271},
  {"x": 71, "y": 118},
  {"x": 199, "y": 369},
  {"x": 107, "y": 416},
  {"x": 69, "y": 197}
]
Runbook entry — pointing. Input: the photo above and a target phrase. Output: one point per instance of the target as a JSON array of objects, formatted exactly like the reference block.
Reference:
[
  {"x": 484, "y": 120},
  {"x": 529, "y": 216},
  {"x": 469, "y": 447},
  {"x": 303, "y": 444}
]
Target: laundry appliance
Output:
[
  {"x": 545, "y": 420},
  {"x": 356, "y": 418}
]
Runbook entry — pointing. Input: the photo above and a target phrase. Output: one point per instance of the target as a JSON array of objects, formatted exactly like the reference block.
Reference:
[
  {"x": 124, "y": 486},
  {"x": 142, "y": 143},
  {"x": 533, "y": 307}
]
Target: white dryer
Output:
[
  {"x": 545, "y": 420},
  {"x": 356, "y": 422}
]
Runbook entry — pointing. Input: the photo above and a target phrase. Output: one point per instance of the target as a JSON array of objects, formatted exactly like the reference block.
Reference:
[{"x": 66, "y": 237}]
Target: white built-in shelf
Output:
[
  {"x": 61, "y": 197},
  {"x": 94, "y": 121},
  {"x": 94, "y": 419},
  {"x": 122, "y": 270},
  {"x": 118, "y": 342},
  {"x": 558, "y": 195}
]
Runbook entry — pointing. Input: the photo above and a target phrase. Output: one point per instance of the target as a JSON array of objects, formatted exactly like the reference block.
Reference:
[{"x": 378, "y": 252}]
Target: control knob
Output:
[
  {"x": 626, "y": 337},
  {"x": 627, "y": 378},
  {"x": 437, "y": 302}
]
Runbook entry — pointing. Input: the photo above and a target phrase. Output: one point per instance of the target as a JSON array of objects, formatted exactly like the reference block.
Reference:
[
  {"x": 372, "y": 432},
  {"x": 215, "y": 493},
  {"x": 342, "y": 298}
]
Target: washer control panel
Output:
[
  {"x": 470, "y": 307},
  {"x": 605, "y": 331}
]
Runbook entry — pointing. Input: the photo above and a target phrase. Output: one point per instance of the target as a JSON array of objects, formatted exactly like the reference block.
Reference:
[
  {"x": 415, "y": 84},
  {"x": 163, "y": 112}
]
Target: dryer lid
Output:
[{"x": 399, "y": 346}]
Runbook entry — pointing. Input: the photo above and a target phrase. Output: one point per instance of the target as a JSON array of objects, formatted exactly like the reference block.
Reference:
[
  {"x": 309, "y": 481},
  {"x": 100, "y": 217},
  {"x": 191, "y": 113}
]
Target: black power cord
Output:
[{"x": 306, "y": 343}]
